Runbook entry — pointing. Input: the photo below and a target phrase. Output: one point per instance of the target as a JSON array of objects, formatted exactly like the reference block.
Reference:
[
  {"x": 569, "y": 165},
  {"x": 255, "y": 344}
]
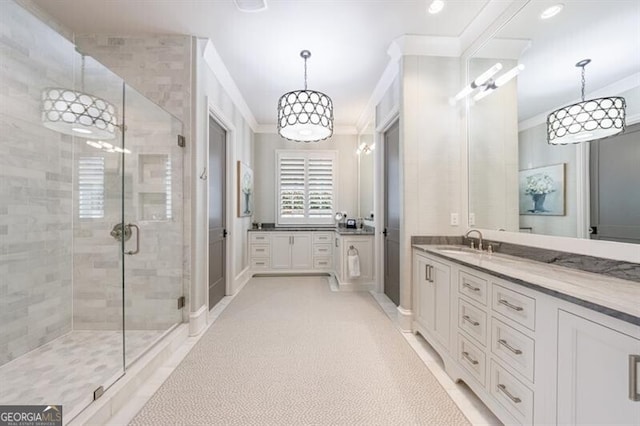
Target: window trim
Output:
[{"x": 306, "y": 154}]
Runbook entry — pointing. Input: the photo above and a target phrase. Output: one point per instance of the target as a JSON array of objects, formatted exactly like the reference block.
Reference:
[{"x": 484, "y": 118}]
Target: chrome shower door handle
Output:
[{"x": 137, "y": 250}]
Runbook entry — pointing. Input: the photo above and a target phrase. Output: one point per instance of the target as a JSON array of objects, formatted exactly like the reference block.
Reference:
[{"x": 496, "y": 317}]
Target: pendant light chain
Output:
[
  {"x": 305, "y": 72},
  {"x": 583, "y": 83}
]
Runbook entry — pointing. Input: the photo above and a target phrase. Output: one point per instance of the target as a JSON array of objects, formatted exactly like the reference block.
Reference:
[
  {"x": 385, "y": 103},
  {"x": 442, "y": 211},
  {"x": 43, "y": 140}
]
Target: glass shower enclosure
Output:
[{"x": 91, "y": 220}]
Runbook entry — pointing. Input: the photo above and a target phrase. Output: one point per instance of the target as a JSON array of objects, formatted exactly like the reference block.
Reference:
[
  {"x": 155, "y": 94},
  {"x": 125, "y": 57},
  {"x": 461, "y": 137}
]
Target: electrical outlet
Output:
[
  {"x": 472, "y": 219},
  {"x": 454, "y": 219}
]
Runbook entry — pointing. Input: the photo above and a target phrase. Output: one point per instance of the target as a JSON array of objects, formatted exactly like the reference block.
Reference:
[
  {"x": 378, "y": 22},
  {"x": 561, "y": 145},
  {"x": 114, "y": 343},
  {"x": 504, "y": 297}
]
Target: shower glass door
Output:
[{"x": 153, "y": 211}]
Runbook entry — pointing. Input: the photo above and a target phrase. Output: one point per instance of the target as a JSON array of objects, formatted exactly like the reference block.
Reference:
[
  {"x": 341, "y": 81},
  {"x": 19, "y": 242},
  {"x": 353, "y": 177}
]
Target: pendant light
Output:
[
  {"x": 305, "y": 115},
  {"x": 77, "y": 113},
  {"x": 586, "y": 120}
]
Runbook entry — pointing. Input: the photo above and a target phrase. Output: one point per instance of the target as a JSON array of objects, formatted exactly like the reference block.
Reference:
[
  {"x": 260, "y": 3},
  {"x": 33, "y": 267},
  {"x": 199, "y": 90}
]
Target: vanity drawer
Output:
[
  {"x": 473, "y": 287},
  {"x": 260, "y": 250},
  {"x": 322, "y": 250},
  {"x": 259, "y": 237},
  {"x": 322, "y": 263},
  {"x": 259, "y": 263},
  {"x": 472, "y": 320},
  {"x": 515, "y": 306},
  {"x": 471, "y": 358},
  {"x": 515, "y": 396},
  {"x": 513, "y": 347},
  {"x": 323, "y": 237}
]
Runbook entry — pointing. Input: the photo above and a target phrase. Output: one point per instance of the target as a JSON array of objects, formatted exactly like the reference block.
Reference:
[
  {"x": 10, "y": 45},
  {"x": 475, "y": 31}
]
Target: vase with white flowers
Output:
[{"x": 538, "y": 186}]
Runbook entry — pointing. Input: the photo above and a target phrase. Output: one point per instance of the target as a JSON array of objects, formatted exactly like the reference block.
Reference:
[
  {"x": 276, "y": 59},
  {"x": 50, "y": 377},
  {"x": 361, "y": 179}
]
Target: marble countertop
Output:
[
  {"x": 341, "y": 231},
  {"x": 612, "y": 296}
]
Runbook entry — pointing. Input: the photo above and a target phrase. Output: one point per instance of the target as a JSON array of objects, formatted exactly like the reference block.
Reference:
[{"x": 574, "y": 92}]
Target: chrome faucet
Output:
[{"x": 479, "y": 237}]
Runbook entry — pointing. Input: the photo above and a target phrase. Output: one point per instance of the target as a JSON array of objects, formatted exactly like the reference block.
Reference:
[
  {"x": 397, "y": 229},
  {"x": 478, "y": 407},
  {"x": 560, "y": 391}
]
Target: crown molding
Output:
[{"x": 218, "y": 68}]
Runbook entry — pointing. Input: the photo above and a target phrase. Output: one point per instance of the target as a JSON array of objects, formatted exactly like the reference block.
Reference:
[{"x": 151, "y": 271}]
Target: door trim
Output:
[
  {"x": 213, "y": 112},
  {"x": 378, "y": 199}
]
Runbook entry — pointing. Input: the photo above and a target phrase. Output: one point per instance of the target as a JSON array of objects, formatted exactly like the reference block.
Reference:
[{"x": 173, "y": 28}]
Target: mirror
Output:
[
  {"x": 587, "y": 186},
  {"x": 365, "y": 151}
]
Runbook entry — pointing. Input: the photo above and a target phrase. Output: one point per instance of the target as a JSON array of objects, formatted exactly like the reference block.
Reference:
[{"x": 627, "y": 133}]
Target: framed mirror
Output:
[{"x": 518, "y": 181}]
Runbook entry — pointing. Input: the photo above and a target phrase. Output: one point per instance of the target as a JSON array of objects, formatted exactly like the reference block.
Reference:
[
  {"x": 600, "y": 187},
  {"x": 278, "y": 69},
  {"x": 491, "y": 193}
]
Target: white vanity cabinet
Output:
[
  {"x": 598, "y": 373},
  {"x": 432, "y": 283},
  {"x": 291, "y": 250},
  {"x": 530, "y": 356}
]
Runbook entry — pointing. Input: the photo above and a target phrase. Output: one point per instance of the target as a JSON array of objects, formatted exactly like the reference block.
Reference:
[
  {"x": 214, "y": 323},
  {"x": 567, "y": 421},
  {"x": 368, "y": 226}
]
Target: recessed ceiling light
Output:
[
  {"x": 436, "y": 6},
  {"x": 251, "y": 5},
  {"x": 552, "y": 11}
]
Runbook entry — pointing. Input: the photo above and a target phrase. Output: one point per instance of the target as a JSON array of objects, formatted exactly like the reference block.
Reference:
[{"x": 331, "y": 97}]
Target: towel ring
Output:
[{"x": 352, "y": 251}]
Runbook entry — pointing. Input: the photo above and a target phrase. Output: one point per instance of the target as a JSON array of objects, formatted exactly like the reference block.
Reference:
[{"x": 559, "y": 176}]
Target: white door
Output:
[
  {"x": 594, "y": 373},
  {"x": 301, "y": 251},
  {"x": 364, "y": 246},
  {"x": 281, "y": 250},
  {"x": 424, "y": 288},
  {"x": 337, "y": 256}
]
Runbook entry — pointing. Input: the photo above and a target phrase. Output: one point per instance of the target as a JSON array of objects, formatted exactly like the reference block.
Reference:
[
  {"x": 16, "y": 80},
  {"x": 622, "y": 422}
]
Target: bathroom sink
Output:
[{"x": 460, "y": 250}]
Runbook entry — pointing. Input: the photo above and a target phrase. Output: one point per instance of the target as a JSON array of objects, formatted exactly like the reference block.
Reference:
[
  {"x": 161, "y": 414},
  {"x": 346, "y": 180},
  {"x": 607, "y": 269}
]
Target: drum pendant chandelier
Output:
[
  {"x": 305, "y": 115},
  {"x": 587, "y": 120},
  {"x": 77, "y": 113}
]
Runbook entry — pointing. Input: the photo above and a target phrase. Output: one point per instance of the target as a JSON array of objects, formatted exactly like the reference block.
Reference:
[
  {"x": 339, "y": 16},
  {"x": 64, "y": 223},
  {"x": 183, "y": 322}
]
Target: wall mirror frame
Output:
[{"x": 498, "y": 123}]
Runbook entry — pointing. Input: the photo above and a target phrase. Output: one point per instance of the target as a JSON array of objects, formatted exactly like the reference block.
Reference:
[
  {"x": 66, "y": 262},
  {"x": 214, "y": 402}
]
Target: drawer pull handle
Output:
[
  {"x": 509, "y": 305},
  {"x": 508, "y": 346},
  {"x": 471, "y": 360},
  {"x": 323, "y": 263},
  {"x": 259, "y": 263},
  {"x": 633, "y": 377},
  {"x": 470, "y": 321},
  {"x": 259, "y": 249},
  {"x": 470, "y": 287},
  {"x": 504, "y": 390}
]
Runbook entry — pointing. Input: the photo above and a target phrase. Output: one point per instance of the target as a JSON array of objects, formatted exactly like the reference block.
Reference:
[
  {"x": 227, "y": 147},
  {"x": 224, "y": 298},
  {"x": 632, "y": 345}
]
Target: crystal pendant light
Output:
[
  {"x": 77, "y": 113},
  {"x": 305, "y": 115},
  {"x": 586, "y": 120}
]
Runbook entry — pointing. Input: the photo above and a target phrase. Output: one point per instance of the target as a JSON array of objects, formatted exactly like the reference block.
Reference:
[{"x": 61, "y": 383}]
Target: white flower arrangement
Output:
[{"x": 539, "y": 183}]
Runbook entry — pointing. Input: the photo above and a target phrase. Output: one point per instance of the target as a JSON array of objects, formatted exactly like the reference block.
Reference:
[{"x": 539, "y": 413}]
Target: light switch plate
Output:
[
  {"x": 455, "y": 221},
  {"x": 472, "y": 219}
]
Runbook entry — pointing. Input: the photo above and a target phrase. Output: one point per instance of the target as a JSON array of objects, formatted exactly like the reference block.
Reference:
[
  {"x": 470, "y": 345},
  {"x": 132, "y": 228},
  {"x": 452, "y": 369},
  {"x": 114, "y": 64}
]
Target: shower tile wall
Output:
[
  {"x": 35, "y": 187},
  {"x": 160, "y": 68}
]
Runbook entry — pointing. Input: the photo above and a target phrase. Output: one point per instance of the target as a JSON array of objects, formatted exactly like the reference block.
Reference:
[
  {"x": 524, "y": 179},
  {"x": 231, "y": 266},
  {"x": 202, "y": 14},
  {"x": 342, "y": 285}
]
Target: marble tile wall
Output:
[{"x": 35, "y": 187}]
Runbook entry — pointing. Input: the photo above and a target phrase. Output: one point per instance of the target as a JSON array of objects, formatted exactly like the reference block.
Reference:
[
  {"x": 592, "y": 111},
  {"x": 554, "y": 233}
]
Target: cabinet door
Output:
[
  {"x": 424, "y": 292},
  {"x": 281, "y": 251},
  {"x": 594, "y": 373},
  {"x": 433, "y": 288},
  {"x": 301, "y": 251},
  {"x": 440, "y": 275}
]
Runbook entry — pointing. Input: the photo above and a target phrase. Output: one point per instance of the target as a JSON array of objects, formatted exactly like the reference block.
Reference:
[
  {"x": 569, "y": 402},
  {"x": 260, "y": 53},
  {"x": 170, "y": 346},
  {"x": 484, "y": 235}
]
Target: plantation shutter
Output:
[
  {"x": 320, "y": 184},
  {"x": 91, "y": 187},
  {"x": 306, "y": 187}
]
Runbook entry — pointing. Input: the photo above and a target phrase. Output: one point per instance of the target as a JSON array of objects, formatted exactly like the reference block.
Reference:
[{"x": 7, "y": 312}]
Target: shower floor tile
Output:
[{"x": 68, "y": 369}]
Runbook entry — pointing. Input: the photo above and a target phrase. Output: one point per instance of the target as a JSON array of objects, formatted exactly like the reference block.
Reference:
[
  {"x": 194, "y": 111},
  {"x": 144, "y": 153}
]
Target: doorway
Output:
[
  {"x": 217, "y": 212},
  {"x": 392, "y": 213}
]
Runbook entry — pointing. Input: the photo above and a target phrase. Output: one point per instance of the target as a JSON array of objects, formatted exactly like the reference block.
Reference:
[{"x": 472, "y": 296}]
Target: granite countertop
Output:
[
  {"x": 342, "y": 231},
  {"x": 609, "y": 295}
]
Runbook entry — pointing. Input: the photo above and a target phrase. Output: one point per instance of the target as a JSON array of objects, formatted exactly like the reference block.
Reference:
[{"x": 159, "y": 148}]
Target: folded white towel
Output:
[{"x": 353, "y": 265}]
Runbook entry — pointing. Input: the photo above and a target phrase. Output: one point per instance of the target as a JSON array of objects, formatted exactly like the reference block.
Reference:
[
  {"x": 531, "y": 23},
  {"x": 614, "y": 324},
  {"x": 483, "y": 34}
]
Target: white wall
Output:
[{"x": 264, "y": 172}]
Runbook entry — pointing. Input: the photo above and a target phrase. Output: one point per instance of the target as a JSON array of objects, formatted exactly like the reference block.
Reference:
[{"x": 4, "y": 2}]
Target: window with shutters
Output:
[
  {"x": 306, "y": 189},
  {"x": 91, "y": 187}
]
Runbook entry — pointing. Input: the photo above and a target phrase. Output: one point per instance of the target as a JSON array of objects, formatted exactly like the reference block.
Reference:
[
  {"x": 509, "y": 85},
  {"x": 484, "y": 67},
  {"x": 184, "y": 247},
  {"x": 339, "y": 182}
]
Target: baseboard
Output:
[
  {"x": 405, "y": 319},
  {"x": 241, "y": 280},
  {"x": 116, "y": 396},
  {"x": 198, "y": 321}
]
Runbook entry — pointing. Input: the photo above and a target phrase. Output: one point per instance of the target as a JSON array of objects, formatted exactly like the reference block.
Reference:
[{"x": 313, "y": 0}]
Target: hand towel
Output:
[{"x": 353, "y": 265}]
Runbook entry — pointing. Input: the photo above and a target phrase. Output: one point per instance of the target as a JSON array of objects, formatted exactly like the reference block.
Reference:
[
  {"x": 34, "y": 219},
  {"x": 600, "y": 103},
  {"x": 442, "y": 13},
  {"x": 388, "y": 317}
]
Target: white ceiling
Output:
[{"x": 348, "y": 39}]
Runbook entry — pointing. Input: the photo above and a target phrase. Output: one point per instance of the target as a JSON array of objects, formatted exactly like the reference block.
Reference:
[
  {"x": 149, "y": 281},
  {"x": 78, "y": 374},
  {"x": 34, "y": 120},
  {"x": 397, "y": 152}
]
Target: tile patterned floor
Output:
[{"x": 68, "y": 369}]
